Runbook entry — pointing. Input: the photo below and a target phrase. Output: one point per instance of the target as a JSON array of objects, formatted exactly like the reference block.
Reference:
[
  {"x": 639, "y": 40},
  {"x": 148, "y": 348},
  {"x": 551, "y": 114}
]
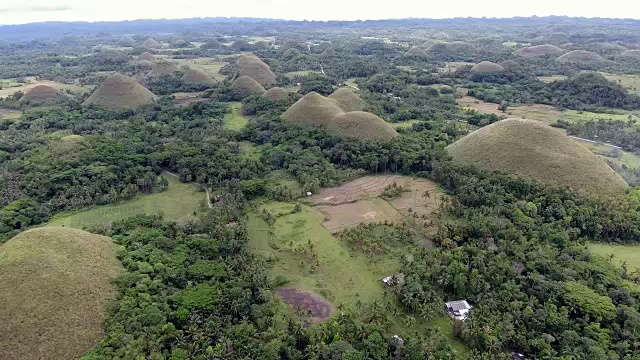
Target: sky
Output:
[{"x": 26, "y": 11}]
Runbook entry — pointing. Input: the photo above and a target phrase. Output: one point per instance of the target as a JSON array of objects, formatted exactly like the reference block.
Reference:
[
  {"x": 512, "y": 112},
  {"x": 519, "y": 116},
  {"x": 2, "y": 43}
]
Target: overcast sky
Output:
[{"x": 25, "y": 11}]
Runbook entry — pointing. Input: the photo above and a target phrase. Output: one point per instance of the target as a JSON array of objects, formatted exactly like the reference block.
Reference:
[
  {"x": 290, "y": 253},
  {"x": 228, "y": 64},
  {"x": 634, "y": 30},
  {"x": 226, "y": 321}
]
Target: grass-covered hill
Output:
[
  {"x": 313, "y": 109},
  {"x": 534, "y": 149},
  {"x": 119, "y": 92},
  {"x": 362, "y": 125},
  {"x": 246, "y": 86},
  {"x": 55, "y": 287},
  {"x": 348, "y": 100},
  {"x": 43, "y": 95}
]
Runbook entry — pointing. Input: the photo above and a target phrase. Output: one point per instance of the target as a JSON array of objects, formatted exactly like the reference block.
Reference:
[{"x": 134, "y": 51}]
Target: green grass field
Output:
[
  {"x": 341, "y": 277},
  {"x": 177, "y": 203},
  {"x": 234, "y": 120},
  {"x": 577, "y": 116},
  {"x": 629, "y": 82},
  {"x": 551, "y": 78},
  {"x": 621, "y": 253},
  {"x": 208, "y": 65},
  {"x": 293, "y": 74},
  {"x": 405, "y": 124}
]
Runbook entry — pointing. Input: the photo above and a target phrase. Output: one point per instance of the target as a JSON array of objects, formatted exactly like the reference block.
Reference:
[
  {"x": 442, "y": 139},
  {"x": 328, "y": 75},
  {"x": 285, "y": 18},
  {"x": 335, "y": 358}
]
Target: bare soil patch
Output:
[
  {"x": 359, "y": 201},
  {"x": 318, "y": 308},
  {"x": 339, "y": 217}
]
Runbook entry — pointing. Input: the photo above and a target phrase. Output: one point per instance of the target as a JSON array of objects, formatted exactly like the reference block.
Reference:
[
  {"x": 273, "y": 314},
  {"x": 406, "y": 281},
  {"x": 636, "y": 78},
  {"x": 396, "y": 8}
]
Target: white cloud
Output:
[{"x": 93, "y": 10}]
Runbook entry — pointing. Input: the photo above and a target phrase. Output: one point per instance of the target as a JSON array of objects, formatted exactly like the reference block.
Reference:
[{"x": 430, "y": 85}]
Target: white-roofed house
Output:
[{"x": 458, "y": 309}]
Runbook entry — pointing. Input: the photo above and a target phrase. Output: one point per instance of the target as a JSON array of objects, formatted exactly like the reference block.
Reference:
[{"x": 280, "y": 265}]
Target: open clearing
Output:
[
  {"x": 234, "y": 120},
  {"x": 56, "y": 285},
  {"x": 302, "y": 73},
  {"x": 630, "y": 254},
  {"x": 9, "y": 114},
  {"x": 359, "y": 201},
  {"x": 551, "y": 78},
  {"x": 629, "y": 82},
  {"x": 178, "y": 203},
  {"x": 208, "y": 65},
  {"x": 188, "y": 98},
  {"x": 301, "y": 249},
  {"x": 541, "y": 112},
  {"x": 313, "y": 260},
  {"x": 74, "y": 88}
]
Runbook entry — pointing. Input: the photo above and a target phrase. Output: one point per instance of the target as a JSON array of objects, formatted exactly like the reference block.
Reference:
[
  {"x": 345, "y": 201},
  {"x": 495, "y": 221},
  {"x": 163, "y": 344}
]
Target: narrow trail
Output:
[{"x": 209, "y": 204}]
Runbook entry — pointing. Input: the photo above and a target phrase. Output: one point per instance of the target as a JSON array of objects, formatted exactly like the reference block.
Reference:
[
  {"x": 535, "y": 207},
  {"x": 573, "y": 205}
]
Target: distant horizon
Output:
[
  {"x": 91, "y": 11},
  {"x": 310, "y": 20}
]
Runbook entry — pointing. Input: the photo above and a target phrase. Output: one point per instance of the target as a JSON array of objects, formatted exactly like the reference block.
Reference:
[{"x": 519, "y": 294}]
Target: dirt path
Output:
[{"x": 209, "y": 204}]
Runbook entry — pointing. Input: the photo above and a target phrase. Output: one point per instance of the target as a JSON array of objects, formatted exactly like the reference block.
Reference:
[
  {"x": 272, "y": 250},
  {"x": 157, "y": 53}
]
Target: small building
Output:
[
  {"x": 458, "y": 309},
  {"x": 517, "y": 356},
  {"x": 309, "y": 193},
  {"x": 396, "y": 279}
]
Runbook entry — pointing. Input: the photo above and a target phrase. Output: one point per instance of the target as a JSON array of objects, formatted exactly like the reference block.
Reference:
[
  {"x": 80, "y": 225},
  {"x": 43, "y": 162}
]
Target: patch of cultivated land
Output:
[
  {"x": 208, "y": 65},
  {"x": 359, "y": 201},
  {"x": 541, "y": 112},
  {"x": 74, "y": 88},
  {"x": 178, "y": 203},
  {"x": 629, "y": 254},
  {"x": 234, "y": 120}
]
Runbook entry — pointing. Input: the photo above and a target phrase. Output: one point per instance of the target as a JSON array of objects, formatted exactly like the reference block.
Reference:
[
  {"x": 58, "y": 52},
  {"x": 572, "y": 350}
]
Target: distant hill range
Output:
[{"x": 53, "y": 30}]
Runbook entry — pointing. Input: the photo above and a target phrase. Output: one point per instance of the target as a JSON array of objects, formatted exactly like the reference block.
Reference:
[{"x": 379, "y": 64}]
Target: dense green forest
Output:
[{"x": 513, "y": 247}]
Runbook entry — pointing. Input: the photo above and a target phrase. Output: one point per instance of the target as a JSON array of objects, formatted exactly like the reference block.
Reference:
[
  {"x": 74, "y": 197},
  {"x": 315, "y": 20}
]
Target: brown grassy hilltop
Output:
[
  {"x": 253, "y": 67},
  {"x": 487, "y": 67},
  {"x": 313, "y": 109},
  {"x": 42, "y": 95},
  {"x": 147, "y": 56},
  {"x": 276, "y": 93},
  {"x": 196, "y": 77},
  {"x": 631, "y": 54},
  {"x": 247, "y": 86},
  {"x": 362, "y": 125},
  {"x": 534, "y": 149},
  {"x": 580, "y": 57},
  {"x": 55, "y": 288},
  {"x": 151, "y": 44},
  {"x": 119, "y": 92},
  {"x": 164, "y": 67},
  {"x": 539, "y": 50},
  {"x": 348, "y": 100},
  {"x": 417, "y": 52},
  {"x": 212, "y": 44}
]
